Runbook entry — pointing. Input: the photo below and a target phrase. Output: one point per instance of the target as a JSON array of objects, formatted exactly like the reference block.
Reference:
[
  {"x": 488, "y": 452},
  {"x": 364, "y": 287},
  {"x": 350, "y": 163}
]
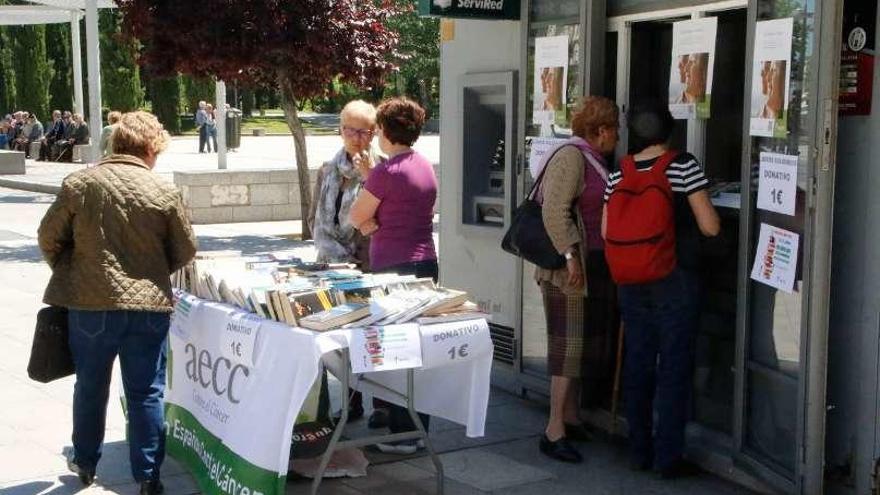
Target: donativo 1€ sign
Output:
[{"x": 481, "y": 9}]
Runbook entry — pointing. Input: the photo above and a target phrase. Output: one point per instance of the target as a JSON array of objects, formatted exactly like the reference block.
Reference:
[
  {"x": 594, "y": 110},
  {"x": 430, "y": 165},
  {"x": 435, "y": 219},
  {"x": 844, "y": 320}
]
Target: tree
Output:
[
  {"x": 420, "y": 45},
  {"x": 120, "y": 78},
  {"x": 196, "y": 90},
  {"x": 7, "y": 72},
  {"x": 165, "y": 95},
  {"x": 60, "y": 65},
  {"x": 298, "y": 46},
  {"x": 31, "y": 69}
]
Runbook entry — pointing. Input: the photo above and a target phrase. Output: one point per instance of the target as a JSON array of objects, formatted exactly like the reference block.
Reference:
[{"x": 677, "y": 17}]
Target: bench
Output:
[
  {"x": 34, "y": 151},
  {"x": 11, "y": 162},
  {"x": 80, "y": 153}
]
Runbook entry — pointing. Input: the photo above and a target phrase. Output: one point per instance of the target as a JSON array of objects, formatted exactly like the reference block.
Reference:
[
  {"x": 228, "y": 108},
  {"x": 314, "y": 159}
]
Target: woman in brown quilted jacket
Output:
[{"x": 113, "y": 236}]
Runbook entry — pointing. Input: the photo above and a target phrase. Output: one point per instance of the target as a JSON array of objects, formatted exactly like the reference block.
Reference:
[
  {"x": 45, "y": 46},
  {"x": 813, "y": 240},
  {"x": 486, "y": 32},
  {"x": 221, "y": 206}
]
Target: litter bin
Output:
[{"x": 233, "y": 128}]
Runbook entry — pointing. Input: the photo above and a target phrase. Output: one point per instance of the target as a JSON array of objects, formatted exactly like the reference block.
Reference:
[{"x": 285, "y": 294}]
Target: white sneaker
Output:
[{"x": 405, "y": 447}]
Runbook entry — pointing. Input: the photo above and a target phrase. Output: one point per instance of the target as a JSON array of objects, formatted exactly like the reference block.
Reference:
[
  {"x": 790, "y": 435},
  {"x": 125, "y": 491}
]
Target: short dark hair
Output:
[
  {"x": 401, "y": 120},
  {"x": 650, "y": 123}
]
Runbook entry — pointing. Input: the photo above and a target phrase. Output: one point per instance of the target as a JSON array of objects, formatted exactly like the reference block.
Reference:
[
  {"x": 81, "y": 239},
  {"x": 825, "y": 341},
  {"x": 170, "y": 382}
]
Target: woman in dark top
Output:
[{"x": 661, "y": 317}]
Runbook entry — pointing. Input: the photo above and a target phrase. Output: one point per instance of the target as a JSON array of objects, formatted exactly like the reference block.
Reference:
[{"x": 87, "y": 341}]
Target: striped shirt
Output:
[
  {"x": 684, "y": 173},
  {"x": 686, "y": 177}
]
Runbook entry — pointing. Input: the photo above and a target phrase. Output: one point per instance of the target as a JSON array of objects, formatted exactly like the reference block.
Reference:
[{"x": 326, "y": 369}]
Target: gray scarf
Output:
[{"x": 337, "y": 242}]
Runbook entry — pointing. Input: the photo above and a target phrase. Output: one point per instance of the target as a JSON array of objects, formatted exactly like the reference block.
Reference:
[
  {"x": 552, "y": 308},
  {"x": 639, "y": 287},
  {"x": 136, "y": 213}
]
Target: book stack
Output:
[{"x": 320, "y": 296}]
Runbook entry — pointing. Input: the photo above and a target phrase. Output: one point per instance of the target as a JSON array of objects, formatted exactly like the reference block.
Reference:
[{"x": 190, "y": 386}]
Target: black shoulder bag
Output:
[
  {"x": 527, "y": 237},
  {"x": 50, "y": 354}
]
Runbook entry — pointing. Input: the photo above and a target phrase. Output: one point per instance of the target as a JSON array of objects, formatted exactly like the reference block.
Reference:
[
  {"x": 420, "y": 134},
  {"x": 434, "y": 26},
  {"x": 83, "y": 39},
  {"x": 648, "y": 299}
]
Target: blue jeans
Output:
[
  {"x": 203, "y": 137},
  {"x": 139, "y": 339},
  {"x": 660, "y": 321}
]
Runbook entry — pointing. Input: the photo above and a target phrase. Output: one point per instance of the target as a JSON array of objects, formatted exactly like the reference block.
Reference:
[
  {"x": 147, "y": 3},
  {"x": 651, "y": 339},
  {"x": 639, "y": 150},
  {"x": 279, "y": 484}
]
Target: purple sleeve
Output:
[{"x": 378, "y": 182}]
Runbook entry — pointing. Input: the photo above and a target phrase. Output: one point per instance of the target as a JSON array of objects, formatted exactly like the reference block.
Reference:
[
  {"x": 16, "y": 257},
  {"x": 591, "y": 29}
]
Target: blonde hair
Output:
[
  {"x": 139, "y": 134},
  {"x": 358, "y": 108},
  {"x": 113, "y": 117},
  {"x": 594, "y": 112}
]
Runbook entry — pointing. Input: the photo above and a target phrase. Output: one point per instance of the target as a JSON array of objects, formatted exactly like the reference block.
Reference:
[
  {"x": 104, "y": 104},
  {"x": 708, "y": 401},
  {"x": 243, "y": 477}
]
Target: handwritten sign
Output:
[
  {"x": 391, "y": 347},
  {"x": 239, "y": 338},
  {"x": 451, "y": 343},
  {"x": 776, "y": 258},
  {"x": 777, "y": 184}
]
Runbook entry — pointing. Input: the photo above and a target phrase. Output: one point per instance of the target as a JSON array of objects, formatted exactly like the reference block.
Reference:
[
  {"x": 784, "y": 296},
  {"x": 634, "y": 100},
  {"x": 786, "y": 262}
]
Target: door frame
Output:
[
  {"x": 622, "y": 25},
  {"x": 816, "y": 244}
]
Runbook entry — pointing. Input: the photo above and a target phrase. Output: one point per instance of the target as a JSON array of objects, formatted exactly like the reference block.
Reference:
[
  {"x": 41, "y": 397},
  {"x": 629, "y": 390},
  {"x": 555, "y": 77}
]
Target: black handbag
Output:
[
  {"x": 527, "y": 237},
  {"x": 50, "y": 354}
]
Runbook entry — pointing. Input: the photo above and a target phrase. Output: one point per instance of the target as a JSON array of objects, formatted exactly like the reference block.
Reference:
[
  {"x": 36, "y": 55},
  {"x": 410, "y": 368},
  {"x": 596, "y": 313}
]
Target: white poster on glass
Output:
[
  {"x": 777, "y": 182},
  {"x": 693, "y": 62},
  {"x": 551, "y": 74},
  {"x": 771, "y": 76},
  {"x": 776, "y": 258}
]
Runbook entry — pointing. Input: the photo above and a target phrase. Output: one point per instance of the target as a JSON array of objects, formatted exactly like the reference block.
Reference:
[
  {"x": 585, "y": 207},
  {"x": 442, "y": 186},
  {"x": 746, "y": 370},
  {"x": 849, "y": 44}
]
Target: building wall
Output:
[
  {"x": 473, "y": 260},
  {"x": 854, "y": 330}
]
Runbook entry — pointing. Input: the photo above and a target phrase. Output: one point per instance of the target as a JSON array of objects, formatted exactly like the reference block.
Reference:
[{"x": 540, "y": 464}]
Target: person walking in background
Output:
[
  {"x": 107, "y": 132},
  {"x": 578, "y": 298},
  {"x": 338, "y": 184},
  {"x": 113, "y": 236},
  {"x": 663, "y": 192},
  {"x": 201, "y": 125},
  {"x": 211, "y": 125},
  {"x": 396, "y": 207}
]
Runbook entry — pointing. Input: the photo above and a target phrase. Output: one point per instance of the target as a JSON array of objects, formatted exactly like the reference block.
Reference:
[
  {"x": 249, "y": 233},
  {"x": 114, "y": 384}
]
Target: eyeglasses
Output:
[{"x": 351, "y": 132}]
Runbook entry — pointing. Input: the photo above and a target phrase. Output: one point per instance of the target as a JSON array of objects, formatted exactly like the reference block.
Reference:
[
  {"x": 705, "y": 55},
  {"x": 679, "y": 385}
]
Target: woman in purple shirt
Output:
[{"x": 396, "y": 208}]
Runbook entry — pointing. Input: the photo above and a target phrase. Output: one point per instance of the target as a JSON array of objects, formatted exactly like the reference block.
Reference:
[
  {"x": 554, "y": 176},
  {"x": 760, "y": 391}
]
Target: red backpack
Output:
[{"x": 640, "y": 228}]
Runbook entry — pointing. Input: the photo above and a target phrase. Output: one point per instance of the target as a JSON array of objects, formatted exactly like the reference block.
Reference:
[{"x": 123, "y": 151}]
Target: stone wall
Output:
[
  {"x": 225, "y": 196},
  {"x": 258, "y": 195}
]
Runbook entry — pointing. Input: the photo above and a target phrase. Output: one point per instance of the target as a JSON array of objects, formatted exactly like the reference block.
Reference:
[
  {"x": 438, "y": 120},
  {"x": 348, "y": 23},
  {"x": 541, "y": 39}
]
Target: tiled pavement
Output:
[{"x": 35, "y": 419}]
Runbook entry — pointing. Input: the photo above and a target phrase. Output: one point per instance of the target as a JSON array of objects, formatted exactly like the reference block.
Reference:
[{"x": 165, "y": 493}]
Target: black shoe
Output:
[
  {"x": 578, "y": 433},
  {"x": 561, "y": 450},
  {"x": 680, "y": 469},
  {"x": 379, "y": 419},
  {"x": 86, "y": 476},
  {"x": 640, "y": 464},
  {"x": 354, "y": 414},
  {"x": 151, "y": 487}
]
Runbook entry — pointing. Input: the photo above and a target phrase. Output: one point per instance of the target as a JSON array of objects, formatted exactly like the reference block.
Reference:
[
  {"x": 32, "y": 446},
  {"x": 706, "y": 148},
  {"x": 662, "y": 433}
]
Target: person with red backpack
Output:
[{"x": 656, "y": 209}]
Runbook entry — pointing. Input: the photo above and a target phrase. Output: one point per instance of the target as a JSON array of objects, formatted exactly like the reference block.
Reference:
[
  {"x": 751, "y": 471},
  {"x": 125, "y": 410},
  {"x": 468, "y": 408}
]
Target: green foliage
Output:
[
  {"x": 165, "y": 96},
  {"x": 120, "y": 75},
  {"x": 7, "y": 72},
  {"x": 31, "y": 69},
  {"x": 60, "y": 66},
  {"x": 338, "y": 94},
  {"x": 419, "y": 74},
  {"x": 196, "y": 90}
]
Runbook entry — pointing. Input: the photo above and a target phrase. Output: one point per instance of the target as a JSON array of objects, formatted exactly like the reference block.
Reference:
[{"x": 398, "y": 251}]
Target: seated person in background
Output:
[
  {"x": 35, "y": 134},
  {"x": 53, "y": 134},
  {"x": 107, "y": 132},
  {"x": 4, "y": 139},
  {"x": 78, "y": 134},
  {"x": 22, "y": 139}
]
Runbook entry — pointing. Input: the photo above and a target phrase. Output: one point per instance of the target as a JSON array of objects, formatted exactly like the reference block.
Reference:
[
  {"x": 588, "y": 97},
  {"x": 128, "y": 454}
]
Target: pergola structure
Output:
[{"x": 72, "y": 11}]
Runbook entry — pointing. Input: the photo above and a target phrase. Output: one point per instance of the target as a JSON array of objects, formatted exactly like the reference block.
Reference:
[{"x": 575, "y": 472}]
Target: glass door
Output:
[{"x": 787, "y": 180}]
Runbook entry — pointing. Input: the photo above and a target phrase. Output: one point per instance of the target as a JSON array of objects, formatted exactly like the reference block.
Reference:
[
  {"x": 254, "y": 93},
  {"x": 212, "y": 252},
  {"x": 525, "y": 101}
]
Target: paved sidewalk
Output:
[
  {"x": 268, "y": 152},
  {"x": 35, "y": 419}
]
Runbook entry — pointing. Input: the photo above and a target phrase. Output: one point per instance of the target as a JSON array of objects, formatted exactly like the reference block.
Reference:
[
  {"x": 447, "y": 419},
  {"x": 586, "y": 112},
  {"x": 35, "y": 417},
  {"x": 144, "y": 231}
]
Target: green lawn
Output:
[{"x": 272, "y": 125}]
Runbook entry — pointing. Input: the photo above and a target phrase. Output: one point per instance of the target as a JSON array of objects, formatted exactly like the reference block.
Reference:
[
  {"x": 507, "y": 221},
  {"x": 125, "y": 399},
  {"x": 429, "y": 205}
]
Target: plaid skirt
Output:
[{"x": 582, "y": 332}]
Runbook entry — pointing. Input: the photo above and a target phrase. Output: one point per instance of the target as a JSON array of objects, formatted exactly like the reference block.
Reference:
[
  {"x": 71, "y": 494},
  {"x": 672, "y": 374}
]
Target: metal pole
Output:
[
  {"x": 93, "y": 57},
  {"x": 76, "y": 55},
  {"x": 220, "y": 115}
]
